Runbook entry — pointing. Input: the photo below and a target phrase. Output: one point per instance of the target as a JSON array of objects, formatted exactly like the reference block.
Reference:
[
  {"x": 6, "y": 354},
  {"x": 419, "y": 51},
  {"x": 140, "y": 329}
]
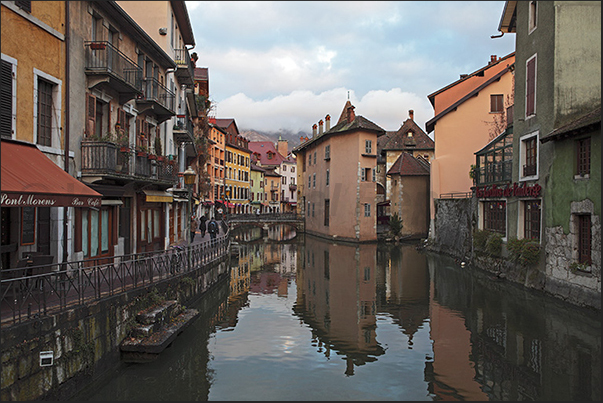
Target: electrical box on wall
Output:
[
  {"x": 162, "y": 31},
  {"x": 46, "y": 358}
]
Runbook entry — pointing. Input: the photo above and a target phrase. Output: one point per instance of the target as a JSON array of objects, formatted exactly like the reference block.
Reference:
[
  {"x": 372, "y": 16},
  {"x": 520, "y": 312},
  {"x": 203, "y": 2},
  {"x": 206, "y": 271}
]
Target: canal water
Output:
[{"x": 306, "y": 319}]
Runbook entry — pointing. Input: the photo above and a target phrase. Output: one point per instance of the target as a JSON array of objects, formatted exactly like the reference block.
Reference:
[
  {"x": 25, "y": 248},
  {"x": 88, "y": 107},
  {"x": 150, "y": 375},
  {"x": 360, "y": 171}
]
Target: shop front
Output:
[{"x": 34, "y": 195}]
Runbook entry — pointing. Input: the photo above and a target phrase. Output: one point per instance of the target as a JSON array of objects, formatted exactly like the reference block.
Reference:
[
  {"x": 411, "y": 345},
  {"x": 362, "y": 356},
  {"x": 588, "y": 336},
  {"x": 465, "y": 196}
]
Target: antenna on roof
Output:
[{"x": 348, "y": 95}]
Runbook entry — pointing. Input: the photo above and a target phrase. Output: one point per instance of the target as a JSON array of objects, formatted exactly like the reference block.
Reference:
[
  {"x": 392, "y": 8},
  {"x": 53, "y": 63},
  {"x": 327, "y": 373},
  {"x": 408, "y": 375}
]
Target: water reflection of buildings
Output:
[
  {"x": 403, "y": 287},
  {"x": 336, "y": 296},
  {"x": 520, "y": 347}
]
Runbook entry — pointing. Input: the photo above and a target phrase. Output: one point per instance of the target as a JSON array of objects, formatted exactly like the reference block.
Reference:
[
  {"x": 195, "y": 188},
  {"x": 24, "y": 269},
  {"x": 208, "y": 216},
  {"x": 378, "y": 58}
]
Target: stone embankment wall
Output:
[
  {"x": 455, "y": 221},
  {"x": 85, "y": 340}
]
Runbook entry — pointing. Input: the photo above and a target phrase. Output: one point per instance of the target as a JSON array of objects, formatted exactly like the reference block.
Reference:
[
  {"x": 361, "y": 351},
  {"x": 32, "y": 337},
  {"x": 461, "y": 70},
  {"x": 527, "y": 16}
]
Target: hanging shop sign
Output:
[{"x": 511, "y": 190}]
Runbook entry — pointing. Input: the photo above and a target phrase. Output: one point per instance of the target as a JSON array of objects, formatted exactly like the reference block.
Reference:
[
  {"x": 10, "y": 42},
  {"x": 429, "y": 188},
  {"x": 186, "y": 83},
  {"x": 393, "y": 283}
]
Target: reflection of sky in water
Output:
[{"x": 271, "y": 355}]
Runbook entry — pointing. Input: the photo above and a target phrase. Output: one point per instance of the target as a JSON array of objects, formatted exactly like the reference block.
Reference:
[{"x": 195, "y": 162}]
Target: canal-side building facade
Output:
[
  {"x": 409, "y": 194},
  {"x": 409, "y": 138},
  {"x": 338, "y": 168},
  {"x": 119, "y": 73},
  {"x": 168, "y": 25},
  {"x": 467, "y": 113},
  {"x": 278, "y": 159},
  {"x": 557, "y": 141},
  {"x": 40, "y": 193},
  {"x": 237, "y": 162},
  {"x": 256, "y": 188}
]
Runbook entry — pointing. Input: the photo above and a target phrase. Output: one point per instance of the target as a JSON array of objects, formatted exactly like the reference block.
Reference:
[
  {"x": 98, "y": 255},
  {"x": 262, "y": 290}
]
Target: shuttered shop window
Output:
[{"x": 6, "y": 108}]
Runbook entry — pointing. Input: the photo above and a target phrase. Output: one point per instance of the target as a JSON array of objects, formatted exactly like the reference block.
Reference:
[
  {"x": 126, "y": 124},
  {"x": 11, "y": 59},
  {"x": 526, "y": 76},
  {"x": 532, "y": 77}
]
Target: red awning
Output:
[{"x": 31, "y": 179}]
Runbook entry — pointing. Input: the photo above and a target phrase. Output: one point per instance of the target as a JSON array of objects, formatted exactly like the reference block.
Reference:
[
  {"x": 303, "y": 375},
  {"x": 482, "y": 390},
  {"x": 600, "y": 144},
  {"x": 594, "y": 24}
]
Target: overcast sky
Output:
[{"x": 287, "y": 64}]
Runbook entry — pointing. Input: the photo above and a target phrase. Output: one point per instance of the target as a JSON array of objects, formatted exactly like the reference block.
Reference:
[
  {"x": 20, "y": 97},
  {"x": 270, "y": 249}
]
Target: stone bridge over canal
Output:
[{"x": 265, "y": 221}]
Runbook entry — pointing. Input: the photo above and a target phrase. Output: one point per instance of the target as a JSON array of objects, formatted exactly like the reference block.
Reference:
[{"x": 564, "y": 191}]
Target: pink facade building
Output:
[{"x": 337, "y": 178}]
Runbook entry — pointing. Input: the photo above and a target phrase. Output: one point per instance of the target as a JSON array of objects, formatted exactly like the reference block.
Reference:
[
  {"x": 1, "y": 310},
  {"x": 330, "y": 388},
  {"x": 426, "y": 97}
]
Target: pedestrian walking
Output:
[
  {"x": 203, "y": 225},
  {"x": 212, "y": 228},
  {"x": 193, "y": 227}
]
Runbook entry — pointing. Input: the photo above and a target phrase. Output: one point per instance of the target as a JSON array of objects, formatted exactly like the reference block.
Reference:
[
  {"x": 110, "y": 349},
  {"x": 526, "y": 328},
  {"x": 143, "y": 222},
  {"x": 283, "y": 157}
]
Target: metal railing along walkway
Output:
[{"x": 27, "y": 296}]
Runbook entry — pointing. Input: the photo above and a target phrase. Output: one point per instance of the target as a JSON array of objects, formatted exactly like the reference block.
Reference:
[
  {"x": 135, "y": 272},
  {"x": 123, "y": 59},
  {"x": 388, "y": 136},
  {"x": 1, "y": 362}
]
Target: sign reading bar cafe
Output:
[
  {"x": 47, "y": 200},
  {"x": 510, "y": 190}
]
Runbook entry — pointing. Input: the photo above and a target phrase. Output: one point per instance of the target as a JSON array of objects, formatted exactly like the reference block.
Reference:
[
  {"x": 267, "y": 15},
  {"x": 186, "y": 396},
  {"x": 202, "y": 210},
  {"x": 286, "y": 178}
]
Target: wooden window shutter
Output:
[
  {"x": 121, "y": 118},
  {"x": 6, "y": 100},
  {"x": 531, "y": 87},
  {"x": 90, "y": 115}
]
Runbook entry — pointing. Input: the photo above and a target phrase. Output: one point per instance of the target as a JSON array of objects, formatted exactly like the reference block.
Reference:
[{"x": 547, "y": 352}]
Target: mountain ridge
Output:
[{"x": 293, "y": 138}]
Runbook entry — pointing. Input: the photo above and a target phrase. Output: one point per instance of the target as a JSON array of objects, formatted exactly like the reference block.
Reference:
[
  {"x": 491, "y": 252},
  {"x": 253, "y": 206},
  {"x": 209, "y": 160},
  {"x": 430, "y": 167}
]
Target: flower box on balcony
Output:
[
  {"x": 152, "y": 156},
  {"x": 141, "y": 153},
  {"x": 97, "y": 46},
  {"x": 124, "y": 149},
  {"x": 160, "y": 158}
]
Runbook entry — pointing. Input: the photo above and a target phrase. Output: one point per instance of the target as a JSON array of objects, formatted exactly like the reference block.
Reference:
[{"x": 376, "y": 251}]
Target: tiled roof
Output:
[
  {"x": 429, "y": 125},
  {"x": 201, "y": 73},
  {"x": 585, "y": 122},
  {"x": 407, "y": 165},
  {"x": 479, "y": 72},
  {"x": 399, "y": 140},
  {"x": 263, "y": 148},
  {"x": 359, "y": 123},
  {"x": 343, "y": 125}
]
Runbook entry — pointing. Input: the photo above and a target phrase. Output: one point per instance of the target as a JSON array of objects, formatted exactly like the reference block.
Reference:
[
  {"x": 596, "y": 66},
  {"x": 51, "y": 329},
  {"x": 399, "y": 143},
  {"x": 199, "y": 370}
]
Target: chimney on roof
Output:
[
  {"x": 411, "y": 114},
  {"x": 320, "y": 122},
  {"x": 350, "y": 114},
  {"x": 492, "y": 58},
  {"x": 314, "y": 126},
  {"x": 282, "y": 147},
  {"x": 464, "y": 76},
  {"x": 327, "y": 123}
]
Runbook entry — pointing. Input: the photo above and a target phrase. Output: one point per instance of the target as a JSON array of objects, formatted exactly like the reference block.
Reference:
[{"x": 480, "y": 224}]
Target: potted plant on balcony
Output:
[
  {"x": 142, "y": 151},
  {"x": 98, "y": 45},
  {"x": 122, "y": 139}
]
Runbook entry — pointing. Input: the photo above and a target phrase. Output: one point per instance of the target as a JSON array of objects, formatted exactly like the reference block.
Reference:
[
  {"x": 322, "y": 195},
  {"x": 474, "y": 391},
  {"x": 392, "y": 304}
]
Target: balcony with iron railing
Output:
[
  {"x": 104, "y": 63},
  {"x": 185, "y": 71},
  {"x": 183, "y": 129},
  {"x": 108, "y": 160},
  {"x": 158, "y": 97}
]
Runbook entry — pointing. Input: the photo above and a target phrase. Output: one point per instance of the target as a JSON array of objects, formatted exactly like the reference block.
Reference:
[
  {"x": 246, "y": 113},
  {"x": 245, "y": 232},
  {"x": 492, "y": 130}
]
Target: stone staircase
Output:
[{"x": 156, "y": 329}]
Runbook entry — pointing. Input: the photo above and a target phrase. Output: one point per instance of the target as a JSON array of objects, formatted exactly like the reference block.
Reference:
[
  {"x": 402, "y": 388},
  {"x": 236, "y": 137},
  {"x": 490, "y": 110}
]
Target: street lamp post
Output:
[{"x": 189, "y": 180}]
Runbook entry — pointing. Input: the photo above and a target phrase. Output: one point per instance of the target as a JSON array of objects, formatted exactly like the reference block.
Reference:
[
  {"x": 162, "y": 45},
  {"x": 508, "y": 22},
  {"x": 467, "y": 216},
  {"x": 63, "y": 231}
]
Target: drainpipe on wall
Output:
[{"x": 66, "y": 126}]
